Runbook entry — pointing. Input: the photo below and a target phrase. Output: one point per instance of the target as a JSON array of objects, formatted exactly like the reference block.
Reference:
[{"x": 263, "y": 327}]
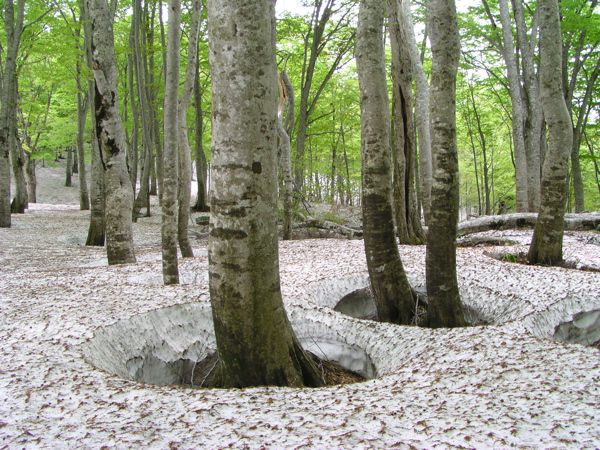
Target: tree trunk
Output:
[
  {"x": 546, "y": 244},
  {"x": 408, "y": 220},
  {"x": 390, "y": 287},
  {"x": 82, "y": 105},
  {"x": 285, "y": 154},
  {"x": 201, "y": 164},
  {"x": 532, "y": 107},
  {"x": 111, "y": 138},
  {"x": 508, "y": 49},
  {"x": 255, "y": 341},
  {"x": 69, "y": 167},
  {"x": 185, "y": 163},
  {"x": 444, "y": 305},
  {"x": 170, "y": 150},
  {"x": 421, "y": 103},
  {"x": 97, "y": 229}
]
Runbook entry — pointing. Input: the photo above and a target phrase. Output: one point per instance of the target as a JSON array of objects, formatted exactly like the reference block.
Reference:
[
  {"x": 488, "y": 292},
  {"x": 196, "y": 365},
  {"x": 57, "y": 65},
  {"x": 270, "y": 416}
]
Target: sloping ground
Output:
[{"x": 495, "y": 386}]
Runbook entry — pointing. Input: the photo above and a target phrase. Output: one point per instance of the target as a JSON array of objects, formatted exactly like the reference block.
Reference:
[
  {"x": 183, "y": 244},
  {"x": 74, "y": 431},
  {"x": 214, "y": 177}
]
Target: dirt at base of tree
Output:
[{"x": 205, "y": 373}]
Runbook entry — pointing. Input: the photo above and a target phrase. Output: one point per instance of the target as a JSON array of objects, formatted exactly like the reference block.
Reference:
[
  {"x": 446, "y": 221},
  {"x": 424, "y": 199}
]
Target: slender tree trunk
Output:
[
  {"x": 9, "y": 151},
  {"x": 390, "y": 287},
  {"x": 82, "y": 105},
  {"x": 133, "y": 150},
  {"x": 532, "y": 106},
  {"x": 546, "y": 244},
  {"x": 285, "y": 154},
  {"x": 482, "y": 141},
  {"x": 170, "y": 150},
  {"x": 508, "y": 49},
  {"x": 69, "y": 167},
  {"x": 111, "y": 138},
  {"x": 142, "y": 200},
  {"x": 444, "y": 305},
  {"x": 185, "y": 162},
  {"x": 201, "y": 164},
  {"x": 255, "y": 341},
  {"x": 403, "y": 132},
  {"x": 475, "y": 165},
  {"x": 97, "y": 229},
  {"x": 421, "y": 103}
]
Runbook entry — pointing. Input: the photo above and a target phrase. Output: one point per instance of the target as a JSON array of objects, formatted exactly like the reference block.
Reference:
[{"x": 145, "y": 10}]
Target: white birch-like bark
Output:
[{"x": 522, "y": 202}]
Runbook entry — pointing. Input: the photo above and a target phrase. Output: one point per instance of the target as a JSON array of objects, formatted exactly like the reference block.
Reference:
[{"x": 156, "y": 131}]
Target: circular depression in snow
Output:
[{"x": 164, "y": 346}]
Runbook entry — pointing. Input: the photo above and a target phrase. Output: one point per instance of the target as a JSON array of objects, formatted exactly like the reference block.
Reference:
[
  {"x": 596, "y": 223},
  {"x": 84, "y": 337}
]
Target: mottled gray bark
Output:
[
  {"x": 111, "y": 137},
  {"x": 185, "y": 161},
  {"x": 421, "y": 103},
  {"x": 390, "y": 287},
  {"x": 508, "y": 50},
  {"x": 255, "y": 342},
  {"x": 546, "y": 244},
  {"x": 170, "y": 149},
  {"x": 82, "y": 106},
  {"x": 69, "y": 167},
  {"x": 408, "y": 220},
  {"x": 201, "y": 164},
  {"x": 444, "y": 304},
  {"x": 286, "y": 96},
  {"x": 532, "y": 108},
  {"x": 13, "y": 27}
]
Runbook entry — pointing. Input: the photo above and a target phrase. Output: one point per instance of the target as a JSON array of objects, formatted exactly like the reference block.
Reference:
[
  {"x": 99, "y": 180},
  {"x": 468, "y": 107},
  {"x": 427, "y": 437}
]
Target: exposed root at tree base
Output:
[
  {"x": 521, "y": 258},
  {"x": 205, "y": 373}
]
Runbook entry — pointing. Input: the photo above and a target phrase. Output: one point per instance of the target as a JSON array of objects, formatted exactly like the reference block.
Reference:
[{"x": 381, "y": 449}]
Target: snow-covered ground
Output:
[{"x": 507, "y": 384}]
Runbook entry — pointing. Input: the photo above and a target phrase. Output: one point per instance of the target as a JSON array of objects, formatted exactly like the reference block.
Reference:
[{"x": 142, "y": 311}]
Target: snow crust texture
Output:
[{"x": 501, "y": 385}]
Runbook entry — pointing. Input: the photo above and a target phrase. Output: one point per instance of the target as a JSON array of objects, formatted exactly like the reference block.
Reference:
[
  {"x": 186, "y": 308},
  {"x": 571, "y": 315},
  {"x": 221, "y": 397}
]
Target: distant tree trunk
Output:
[
  {"x": 69, "y": 167},
  {"x": 201, "y": 164},
  {"x": 82, "y": 105},
  {"x": 444, "y": 305},
  {"x": 470, "y": 131},
  {"x": 532, "y": 107},
  {"x": 133, "y": 150},
  {"x": 111, "y": 138},
  {"x": 486, "y": 182},
  {"x": 255, "y": 341},
  {"x": 508, "y": 49},
  {"x": 546, "y": 244},
  {"x": 421, "y": 103},
  {"x": 185, "y": 163},
  {"x": 170, "y": 149},
  {"x": 285, "y": 153},
  {"x": 142, "y": 200},
  {"x": 390, "y": 287},
  {"x": 408, "y": 221}
]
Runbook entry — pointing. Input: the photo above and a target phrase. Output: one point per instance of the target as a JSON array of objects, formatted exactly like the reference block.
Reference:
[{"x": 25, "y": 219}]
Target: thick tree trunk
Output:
[
  {"x": 390, "y": 287},
  {"x": 512, "y": 71},
  {"x": 255, "y": 342},
  {"x": 546, "y": 244},
  {"x": 111, "y": 138},
  {"x": 444, "y": 305},
  {"x": 170, "y": 150},
  {"x": 185, "y": 162}
]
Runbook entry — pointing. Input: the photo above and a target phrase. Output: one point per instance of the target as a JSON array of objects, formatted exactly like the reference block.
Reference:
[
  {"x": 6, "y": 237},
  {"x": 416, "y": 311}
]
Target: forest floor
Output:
[{"x": 500, "y": 385}]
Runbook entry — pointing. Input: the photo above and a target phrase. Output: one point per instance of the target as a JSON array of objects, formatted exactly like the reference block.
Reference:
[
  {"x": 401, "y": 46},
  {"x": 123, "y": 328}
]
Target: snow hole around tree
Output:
[
  {"x": 169, "y": 346},
  {"x": 352, "y": 297}
]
